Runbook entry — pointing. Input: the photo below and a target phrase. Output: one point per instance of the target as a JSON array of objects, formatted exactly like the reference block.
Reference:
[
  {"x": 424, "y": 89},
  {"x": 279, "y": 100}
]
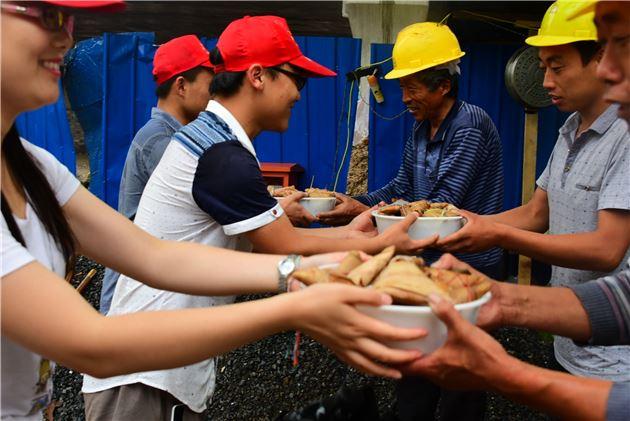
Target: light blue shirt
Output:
[
  {"x": 145, "y": 152},
  {"x": 584, "y": 175}
]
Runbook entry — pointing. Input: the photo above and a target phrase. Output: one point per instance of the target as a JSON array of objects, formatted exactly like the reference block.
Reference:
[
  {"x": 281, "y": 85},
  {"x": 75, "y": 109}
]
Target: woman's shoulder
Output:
[
  {"x": 61, "y": 180},
  {"x": 41, "y": 155}
]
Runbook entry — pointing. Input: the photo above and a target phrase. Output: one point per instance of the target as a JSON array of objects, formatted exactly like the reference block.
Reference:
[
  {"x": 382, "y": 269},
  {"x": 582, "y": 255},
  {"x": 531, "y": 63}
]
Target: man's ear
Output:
[
  {"x": 445, "y": 87},
  {"x": 180, "y": 86},
  {"x": 255, "y": 76}
]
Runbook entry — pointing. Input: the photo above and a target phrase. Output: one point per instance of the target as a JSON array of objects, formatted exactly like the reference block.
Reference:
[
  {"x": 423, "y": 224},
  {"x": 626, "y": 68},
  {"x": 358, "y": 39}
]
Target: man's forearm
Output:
[
  {"x": 586, "y": 251},
  {"x": 553, "y": 310},
  {"x": 532, "y": 216},
  {"x": 384, "y": 194},
  {"x": 522, "y": 218},
  {"x": 559, "y": 394},
  {"x": 306, "y": 244},
  {"x": 329, "y": 232}
]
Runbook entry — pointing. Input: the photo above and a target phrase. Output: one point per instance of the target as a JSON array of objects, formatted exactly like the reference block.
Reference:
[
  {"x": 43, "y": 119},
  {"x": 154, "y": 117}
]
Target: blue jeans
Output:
[{"x": 107, "y": 291}]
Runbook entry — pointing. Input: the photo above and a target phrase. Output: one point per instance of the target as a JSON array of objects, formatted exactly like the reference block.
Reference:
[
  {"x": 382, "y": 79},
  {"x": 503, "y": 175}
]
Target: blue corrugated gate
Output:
[
  {"x": 128, "y": 95},
  {"x": 111, "y": 89},
  {"x": 316, "y": 135},
  {"x": 48, "y": 127},
  {"x": 482, "y": 84}
]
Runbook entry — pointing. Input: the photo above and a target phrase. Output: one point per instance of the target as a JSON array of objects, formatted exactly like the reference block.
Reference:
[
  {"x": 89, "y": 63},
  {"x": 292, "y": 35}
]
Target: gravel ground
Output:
[{"x": 258, "y": 382}]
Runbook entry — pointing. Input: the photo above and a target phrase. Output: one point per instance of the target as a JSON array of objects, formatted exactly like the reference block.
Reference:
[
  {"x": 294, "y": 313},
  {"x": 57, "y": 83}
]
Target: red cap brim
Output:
[
  {"x": 94, "y": 5},
  {"x": 311, "y": 68}
]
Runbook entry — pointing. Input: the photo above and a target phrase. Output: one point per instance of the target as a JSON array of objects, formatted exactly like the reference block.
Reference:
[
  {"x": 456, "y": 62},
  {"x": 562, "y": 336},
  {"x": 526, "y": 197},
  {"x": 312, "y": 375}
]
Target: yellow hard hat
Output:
[
  {"x": 586, "y": 7},
  {"x": 558, "y": 29},
  {"x": 421, "y": 46}
]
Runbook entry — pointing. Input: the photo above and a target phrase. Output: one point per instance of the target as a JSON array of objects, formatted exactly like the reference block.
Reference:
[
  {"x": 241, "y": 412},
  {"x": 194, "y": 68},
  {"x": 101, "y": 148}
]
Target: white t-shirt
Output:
[
  {"x": 26, "y": 382},
  {"x": 181, "y": 202}
]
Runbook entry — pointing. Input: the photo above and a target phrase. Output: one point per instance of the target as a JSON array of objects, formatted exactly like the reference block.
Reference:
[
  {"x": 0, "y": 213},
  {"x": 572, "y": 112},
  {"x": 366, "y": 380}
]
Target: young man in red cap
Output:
[
  {"x": 208, "y": 188},
  {"x": 182, "y": 72}
]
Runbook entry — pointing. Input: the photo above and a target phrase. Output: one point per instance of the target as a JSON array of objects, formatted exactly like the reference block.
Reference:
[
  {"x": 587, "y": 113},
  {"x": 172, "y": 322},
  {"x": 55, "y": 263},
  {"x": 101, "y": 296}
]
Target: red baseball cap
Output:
[
  {"x": 265, "y": 40},
  {"x": 179, "y": 55},
  {"x": 95, "y": 5}
]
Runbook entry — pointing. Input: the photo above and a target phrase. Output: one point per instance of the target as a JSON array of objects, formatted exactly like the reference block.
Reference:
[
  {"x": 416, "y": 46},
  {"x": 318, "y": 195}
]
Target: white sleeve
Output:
[
  {"x": 63, "y": 183},
  {"x": 14, "y": 255}
]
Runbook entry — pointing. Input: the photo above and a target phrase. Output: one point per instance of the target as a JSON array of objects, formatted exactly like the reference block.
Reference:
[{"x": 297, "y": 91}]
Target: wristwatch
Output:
[{"x": 286, "y": 267}]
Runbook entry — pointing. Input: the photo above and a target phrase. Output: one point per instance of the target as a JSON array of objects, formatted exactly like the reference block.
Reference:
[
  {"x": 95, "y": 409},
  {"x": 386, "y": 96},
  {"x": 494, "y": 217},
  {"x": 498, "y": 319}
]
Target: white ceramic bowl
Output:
[
  {"x": 317, "y": 205},
  {"x": 422, "y": 317},
  {"x": 423, "y": 227}
]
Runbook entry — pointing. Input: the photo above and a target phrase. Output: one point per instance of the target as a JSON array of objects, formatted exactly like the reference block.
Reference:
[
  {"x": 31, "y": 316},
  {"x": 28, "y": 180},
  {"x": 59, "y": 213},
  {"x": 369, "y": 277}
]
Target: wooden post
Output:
[{"x": 530, "y": 140}]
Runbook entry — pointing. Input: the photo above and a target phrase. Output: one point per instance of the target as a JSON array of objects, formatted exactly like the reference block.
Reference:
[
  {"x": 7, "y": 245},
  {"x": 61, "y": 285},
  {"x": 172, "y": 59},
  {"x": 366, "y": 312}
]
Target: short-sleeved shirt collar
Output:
[
  {"x": 171, "y": 121},
  {"x": 233, "y": 124},
  {"x": 599, "y": 126},
  {"x": 441, "y": 132}
]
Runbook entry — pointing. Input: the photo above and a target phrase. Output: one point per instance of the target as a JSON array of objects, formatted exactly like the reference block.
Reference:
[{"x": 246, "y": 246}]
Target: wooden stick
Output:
[
  {"x": 530, "y": 141},
  {"x": 86, "y": 280}
]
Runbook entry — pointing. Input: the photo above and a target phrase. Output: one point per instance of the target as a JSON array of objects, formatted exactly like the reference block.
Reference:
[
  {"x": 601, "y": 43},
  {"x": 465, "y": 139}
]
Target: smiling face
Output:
[
  {"x": 613, "y": 30},
  {"x": 278, "y": 98},
  {"x": 572, "y": 85},
  {"x": 31, "y": 56},
  {"x": 421, "y": 103}
]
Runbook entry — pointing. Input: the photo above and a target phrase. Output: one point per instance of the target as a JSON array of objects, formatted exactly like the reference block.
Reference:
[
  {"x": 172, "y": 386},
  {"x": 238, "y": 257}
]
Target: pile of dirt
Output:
[{"x": 358, "y": 171}]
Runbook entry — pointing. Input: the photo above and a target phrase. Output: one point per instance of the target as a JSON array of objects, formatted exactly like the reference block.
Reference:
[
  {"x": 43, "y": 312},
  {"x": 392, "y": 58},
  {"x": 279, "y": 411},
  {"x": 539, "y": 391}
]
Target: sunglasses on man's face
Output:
[
  {"x": 298, "y": 79},
  {"x": 50, "y": 17}
]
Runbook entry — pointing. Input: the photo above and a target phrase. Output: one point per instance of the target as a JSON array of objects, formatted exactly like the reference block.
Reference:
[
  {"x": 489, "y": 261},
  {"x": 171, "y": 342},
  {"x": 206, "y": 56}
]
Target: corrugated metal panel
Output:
[
  {"x": 482, "y": 84},
  {"x": 128, "y": 94},
  {"x": 316, "y": 136},
  {"x": 84, "y": 87},
  {"x": 48, "y": 127},
  {"x": 128, "y": 89}
]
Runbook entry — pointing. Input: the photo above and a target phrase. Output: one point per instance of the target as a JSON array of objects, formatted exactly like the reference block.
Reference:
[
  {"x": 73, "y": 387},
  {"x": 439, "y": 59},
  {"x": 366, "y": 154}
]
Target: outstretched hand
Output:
[
  {"x": 490, "y": 314},
  {"x": 398, "y": 235},
  {"x": 477, "y": 234},
  {"x": 470, "y": 358},
  {"x": 345, "y": 210},
  {"x": 327, "y": 313},
  {"x": 362, "y": 226},
  {"x": 298, "y": 216},
  {"x": 326, "y": 259}
]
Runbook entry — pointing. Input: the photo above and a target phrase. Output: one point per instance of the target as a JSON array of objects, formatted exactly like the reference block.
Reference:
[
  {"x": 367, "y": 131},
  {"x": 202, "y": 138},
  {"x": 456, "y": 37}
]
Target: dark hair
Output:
[
  {"x": 29, "y": 177},
  {"x": 587, "y": 50},
  {"x": 190, "y": 75},
  {"x": 433, "y": 77},
  {"x": 226, "y": 84}
]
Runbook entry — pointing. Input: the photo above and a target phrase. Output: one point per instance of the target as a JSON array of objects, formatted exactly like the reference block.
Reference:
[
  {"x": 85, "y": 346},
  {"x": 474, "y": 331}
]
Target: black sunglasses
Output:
[{"x": 298, "y": 79}]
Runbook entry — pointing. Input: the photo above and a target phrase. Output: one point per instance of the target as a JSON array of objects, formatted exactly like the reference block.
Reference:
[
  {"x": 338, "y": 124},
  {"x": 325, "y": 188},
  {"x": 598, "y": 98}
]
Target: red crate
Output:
[{"x": 280, "y": 173}]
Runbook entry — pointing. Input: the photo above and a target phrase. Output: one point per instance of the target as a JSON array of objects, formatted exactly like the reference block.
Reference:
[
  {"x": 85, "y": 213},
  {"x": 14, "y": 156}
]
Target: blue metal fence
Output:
[
  {"x": 111, "y": 89},
  {"x": 128, "y": 95},
  {"x": 48, "y": 127},
  {"x": 317, "y": 130},
  {"x": 482, "y": 84}
]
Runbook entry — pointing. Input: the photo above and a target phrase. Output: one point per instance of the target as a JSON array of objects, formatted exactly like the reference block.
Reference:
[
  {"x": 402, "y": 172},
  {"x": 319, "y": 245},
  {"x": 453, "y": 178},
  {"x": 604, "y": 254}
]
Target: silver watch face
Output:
[{"x": 287, "y": 266}]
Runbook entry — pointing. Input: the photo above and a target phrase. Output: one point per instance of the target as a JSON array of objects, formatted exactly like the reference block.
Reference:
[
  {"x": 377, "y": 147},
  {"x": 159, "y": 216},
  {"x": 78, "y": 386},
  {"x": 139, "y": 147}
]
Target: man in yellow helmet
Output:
[
  {"x": 579, "y": 217},
  {"x": 452, "y": 155},
  {"x": 596, "y": 312}
]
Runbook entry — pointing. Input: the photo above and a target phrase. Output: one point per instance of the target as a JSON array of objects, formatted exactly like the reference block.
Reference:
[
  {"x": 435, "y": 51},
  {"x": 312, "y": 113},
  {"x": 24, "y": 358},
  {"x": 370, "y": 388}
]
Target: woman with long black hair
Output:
[{"x": 47, "y": 218}]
